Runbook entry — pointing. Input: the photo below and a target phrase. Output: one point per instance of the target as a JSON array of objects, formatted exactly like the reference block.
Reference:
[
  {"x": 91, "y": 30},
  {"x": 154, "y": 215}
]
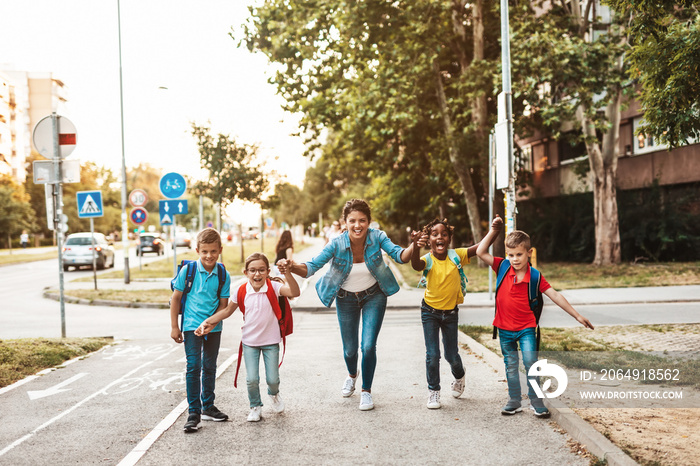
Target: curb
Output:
[
  {"x": 103, "y": 302},
  {"x": 566, "y": 418}
]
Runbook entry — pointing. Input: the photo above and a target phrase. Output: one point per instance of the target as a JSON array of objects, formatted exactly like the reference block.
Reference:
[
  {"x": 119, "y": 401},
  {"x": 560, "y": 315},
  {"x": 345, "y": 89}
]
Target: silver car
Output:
[{"x": 77, "y": 251}]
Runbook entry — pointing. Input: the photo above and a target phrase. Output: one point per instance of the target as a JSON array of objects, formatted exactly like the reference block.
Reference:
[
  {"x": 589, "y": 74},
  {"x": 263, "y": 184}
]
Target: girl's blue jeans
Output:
[
  {"x": 201, "y": 354},
  {"x": 509, "y": 347},
  {"x": 369, "y": 306},
  {"x": 434, "y": 322},
  {"x": 271, "y": 359}
]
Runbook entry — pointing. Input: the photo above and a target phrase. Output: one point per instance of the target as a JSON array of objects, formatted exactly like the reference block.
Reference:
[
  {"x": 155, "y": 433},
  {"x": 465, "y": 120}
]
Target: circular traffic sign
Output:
[
  {"x": 138, "y": 215},
  {"x": 138, "y": 198},
  {"x": 43, "y": 138},
  {"x": 172, "y": 185}
]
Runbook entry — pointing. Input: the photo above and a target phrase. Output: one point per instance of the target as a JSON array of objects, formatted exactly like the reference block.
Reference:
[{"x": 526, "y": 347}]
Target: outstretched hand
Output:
[
  {"x": 497, "y": 223},
  {"x": 204, "y": 328},
  {"x": 419, "y": 238},
  {"x": 285, "y": 266}
]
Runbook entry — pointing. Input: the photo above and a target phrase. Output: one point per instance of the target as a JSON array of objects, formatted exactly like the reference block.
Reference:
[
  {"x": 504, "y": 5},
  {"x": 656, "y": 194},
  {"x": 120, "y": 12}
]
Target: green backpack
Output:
[{"x": 454, "y": 257}]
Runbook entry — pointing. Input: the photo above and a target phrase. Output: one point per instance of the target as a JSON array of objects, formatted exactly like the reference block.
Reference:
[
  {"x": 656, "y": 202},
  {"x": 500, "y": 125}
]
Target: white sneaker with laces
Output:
[
  {"x": 458, "y": 387},
  {"x": 349, "y": 386},
  {"x": 277, "y": 404},
  {"x": 255, "y": 414},
  {"x": 434, "y": 399},
  {"x": 366, "y": 401}
]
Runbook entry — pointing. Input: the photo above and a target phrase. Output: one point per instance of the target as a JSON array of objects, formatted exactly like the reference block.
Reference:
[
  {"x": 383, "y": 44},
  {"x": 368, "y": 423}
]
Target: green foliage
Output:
[
  {"x": 665, "y": 60},
  {"x": 15, "y": 211},
  {"x": 231, "y": 166}
]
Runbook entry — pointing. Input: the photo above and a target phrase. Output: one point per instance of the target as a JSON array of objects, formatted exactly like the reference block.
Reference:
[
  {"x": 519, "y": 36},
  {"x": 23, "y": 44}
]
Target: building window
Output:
[
  {"x": 526, "y": 158},
  {"x": 569, "y": 149},
  {"x": 643, "y": 143}
]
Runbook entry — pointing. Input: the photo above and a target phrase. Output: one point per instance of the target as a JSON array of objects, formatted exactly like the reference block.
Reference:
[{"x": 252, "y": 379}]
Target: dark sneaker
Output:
[
  {"x": 192, "y": 424},
  {"x": 540, "y": 411},
  {"x": 512, "y": 407},
  {"x": 213, "y": 414}
]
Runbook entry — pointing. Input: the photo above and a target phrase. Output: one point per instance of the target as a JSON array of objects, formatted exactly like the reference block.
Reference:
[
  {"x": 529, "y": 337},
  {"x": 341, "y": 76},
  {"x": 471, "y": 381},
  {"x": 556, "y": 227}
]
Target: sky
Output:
[{"x": 179, "y": 65}]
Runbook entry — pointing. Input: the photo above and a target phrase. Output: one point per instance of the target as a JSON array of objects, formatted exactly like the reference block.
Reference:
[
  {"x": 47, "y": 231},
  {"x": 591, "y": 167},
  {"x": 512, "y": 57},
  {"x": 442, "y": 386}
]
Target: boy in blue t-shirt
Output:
[{"x": 201, "y": 352}]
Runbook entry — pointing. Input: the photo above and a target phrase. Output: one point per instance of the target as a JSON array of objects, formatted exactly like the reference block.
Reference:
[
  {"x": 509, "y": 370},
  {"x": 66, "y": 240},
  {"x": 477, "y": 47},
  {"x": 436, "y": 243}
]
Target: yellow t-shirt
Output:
[{"x": 444, "y": 291}]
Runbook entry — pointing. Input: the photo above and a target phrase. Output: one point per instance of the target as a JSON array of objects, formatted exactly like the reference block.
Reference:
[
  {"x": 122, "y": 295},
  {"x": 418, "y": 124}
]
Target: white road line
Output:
[
  {"x": 29, "y": 378},
  {"x": 79, "y": 404},
  {"x": 139, "y": 450}
]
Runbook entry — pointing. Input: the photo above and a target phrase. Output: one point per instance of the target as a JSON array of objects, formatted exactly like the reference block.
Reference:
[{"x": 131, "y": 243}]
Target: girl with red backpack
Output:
[{"x": 261, "y": 331}]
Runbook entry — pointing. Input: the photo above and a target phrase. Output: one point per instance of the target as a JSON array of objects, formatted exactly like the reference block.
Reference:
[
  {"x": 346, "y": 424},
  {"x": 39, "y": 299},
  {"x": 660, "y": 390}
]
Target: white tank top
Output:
[{"x": 359, "y": 278}]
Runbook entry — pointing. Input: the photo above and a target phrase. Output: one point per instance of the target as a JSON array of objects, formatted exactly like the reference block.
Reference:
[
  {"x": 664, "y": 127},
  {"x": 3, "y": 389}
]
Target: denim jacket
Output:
[{"x": 339, "y": 253}]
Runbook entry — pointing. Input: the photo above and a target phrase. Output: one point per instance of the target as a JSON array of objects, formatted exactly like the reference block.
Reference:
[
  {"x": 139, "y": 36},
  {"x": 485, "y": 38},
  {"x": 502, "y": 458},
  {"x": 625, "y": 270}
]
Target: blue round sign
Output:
[
  {"x": 138, "y": 215},
  {"x": 173, "y": 185}
]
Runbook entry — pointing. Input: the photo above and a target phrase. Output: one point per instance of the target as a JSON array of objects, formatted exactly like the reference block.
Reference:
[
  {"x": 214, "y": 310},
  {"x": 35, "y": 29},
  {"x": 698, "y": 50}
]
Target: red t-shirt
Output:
[{"x": 513, "y": 311}]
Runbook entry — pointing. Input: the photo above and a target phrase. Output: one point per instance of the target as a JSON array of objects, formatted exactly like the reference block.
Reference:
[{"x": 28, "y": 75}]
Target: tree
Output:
[
  {"x": 15, "y": 211},
  {"x": 664, "y": 38},
  {"x": 392, "y": 81},
  {"x": 567, "y": 71}
]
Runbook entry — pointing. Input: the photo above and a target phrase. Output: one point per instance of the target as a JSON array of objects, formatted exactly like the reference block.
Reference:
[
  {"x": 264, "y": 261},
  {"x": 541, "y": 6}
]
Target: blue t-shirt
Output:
[{"x": 202, "y": 301}]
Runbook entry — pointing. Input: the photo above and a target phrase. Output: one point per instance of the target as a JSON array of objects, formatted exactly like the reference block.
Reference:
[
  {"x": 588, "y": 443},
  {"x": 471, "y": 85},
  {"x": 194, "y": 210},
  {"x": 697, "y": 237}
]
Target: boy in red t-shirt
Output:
[{"x": 514, "y": 319}]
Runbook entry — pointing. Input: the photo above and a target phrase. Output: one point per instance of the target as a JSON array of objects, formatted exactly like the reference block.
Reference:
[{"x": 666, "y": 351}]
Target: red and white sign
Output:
[
  {"x": 43, "y": 137},
  {"x": 138, "y": 198}
]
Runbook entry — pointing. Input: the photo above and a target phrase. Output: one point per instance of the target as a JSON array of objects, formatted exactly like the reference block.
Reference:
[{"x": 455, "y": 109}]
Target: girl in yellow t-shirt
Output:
[{"x": 445, "y": 288}]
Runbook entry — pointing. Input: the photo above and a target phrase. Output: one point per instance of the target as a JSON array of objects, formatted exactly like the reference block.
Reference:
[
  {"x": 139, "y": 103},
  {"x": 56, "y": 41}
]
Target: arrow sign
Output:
[
  {"x": 89, "y": 204},
  {"x": 172, "y": 207},
  {"x": 36, "y": 394}
]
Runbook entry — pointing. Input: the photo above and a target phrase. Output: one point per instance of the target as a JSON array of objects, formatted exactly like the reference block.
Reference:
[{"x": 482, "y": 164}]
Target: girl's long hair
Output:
[{"x": 285, "y": 242}]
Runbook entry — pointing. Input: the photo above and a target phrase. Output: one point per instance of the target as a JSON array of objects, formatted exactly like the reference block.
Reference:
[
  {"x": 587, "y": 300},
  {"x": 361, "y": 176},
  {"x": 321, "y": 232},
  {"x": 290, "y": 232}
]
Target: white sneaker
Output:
[
  {"x": 277, "y": 404},
  {"x": 349, "y": 386},
  {"x": 366, "y": 401},
  {"x": 255, "y": 414},
  {"x": 434, "y": 399},
  {"x": 458, "y": 387}
]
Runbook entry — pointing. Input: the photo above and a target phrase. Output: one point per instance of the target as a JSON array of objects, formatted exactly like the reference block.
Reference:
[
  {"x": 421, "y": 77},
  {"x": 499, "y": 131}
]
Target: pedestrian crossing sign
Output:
[{"x": 89, "y": 204}]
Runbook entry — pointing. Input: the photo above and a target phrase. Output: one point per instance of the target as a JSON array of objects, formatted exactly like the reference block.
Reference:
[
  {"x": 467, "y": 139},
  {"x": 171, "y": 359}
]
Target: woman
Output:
[
  {"x": 285, "y": 246},
  {"x": 361, "y": 281}
]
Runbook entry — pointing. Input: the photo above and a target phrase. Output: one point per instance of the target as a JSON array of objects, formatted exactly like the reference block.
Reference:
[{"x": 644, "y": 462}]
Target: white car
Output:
[{"x": 77, "y": 251}]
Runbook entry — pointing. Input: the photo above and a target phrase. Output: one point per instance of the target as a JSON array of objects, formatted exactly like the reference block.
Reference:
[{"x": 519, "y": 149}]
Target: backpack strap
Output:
[
  {"x": 240, "y": 300},
  {"x": 274, "y": 302},
  {"x": 454, "y": 257},
  {"x": 221, "y": 271},
  {"x": 189, "y": 280},
  {"x": 424, "y": 276},
  {"x": 503, "y": 268},
  {"x": 535, "y": 299}
]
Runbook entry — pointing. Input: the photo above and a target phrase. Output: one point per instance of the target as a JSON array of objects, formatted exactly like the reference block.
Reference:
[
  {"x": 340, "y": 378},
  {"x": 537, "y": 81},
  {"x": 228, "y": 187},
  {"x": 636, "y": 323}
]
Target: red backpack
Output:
[{"x": 283, "y": 312}]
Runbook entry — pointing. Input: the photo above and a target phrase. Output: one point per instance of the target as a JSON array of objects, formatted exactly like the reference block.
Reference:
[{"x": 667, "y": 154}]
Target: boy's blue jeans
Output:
[
  {"x": 509, "y": 347},
  {"x": 271, "y": 359},
  {"x": 370, "y": 306},
  {"x": 201, "y": 356},
  {"x": 435, "y": 321}
]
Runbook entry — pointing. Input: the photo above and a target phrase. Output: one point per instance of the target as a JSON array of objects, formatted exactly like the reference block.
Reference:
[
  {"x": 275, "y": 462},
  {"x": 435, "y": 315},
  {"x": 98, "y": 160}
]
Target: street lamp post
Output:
[{"x": 125, "y": 228}]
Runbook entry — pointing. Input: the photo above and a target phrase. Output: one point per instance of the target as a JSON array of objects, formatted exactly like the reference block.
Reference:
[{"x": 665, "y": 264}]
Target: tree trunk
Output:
[
  {"x": 458, "y": 164},
  {"x": 603, "y": 162}
]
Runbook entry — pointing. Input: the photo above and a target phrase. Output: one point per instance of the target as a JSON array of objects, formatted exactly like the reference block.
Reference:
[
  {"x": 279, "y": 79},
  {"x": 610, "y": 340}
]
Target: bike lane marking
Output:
[
  {"x": 80, "y": 403},
  {"x": 29, "y": 378},
  {"x": 143, "y": 446}
]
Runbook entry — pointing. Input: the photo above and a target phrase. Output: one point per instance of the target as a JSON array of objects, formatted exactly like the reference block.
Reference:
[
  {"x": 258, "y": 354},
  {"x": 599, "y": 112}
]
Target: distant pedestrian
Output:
[
  {"x": 333, "y": 232},
  {"x": 24, "y": 239},
  {"x": 445, "y": 283},
  {"x": 284, "y": 249},
  {"x": 515, "y": 320},
  {"x": 201, "y": 351},
  {"x": 261, "y": 332},
  {"x": 361, "y": 281}
]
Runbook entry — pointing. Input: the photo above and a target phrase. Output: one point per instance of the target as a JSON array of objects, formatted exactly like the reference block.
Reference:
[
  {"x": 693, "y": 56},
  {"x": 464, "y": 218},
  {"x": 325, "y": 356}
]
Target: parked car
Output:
[
  {"x": 78, "y": 249},
  {"x": 150, "y": 242},
  {"x": 183, "y": 239}
]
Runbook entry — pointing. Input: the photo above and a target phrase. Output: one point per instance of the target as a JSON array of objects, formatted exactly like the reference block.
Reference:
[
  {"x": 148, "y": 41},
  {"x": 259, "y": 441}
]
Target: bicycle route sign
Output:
[{"x": 172, "y": 185}]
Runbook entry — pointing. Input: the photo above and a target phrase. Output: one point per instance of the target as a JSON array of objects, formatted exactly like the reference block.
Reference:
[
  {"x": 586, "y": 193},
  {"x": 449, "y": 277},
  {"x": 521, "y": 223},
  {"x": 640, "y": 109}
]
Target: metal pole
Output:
[
  {"x": 174, "y": 247},
  {"x": 94, "y": 259},
  {"x": 125, "y": 228},
  {"x": 492, "y": 158},
  {"x": 510, "y": 207},
  {"x": 58, "y": 212}
]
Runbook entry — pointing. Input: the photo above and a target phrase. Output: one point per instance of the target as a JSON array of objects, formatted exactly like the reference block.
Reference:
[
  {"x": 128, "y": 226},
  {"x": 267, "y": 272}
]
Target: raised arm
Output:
[
  {"x": 482, "y": 249},
  {"x": 419, "y": 241},
  {"x": 498, "y": 226},
  {"x": 291, "y": 287},
  {"x": 563, "y": 303}
]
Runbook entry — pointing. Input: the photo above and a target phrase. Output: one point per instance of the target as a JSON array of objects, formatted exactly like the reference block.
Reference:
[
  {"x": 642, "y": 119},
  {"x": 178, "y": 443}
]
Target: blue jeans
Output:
[
  {"x": 509, "y": 347},
  {"x": 434, "y": 321},
  {"x": 271, "y": 359},
  {"x": 370, "y": 306},
  {"x": 201, "y": 356}
]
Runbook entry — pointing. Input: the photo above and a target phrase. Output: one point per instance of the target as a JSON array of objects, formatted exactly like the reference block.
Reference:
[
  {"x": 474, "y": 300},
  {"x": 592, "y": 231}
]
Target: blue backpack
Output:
[
  {"x": 189, "y": 280},
  {"x": 454, "y": 257},
  {"x": 534, "y": 295}
]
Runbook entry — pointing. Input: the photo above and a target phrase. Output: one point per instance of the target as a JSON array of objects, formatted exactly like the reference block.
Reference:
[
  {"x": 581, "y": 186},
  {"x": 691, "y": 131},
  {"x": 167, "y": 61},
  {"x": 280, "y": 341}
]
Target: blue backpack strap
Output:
[
  {"x": 189, "y": 279},
  {"x": 221, "y": 272},
  {"x": 424, "y": 277},
  {"x": 454, "y": 257},
  {"x": 503, "y": 268},
  {"x": 535, "y": 299}
]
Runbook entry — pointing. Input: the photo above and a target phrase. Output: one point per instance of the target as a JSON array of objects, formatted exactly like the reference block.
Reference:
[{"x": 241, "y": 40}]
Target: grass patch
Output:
[
  {"x": 132, "y": 296},
  {"x": 17, "y": 257},
  {"x": 27, "y": 356},
  {"x": 568, "y": 276}
]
